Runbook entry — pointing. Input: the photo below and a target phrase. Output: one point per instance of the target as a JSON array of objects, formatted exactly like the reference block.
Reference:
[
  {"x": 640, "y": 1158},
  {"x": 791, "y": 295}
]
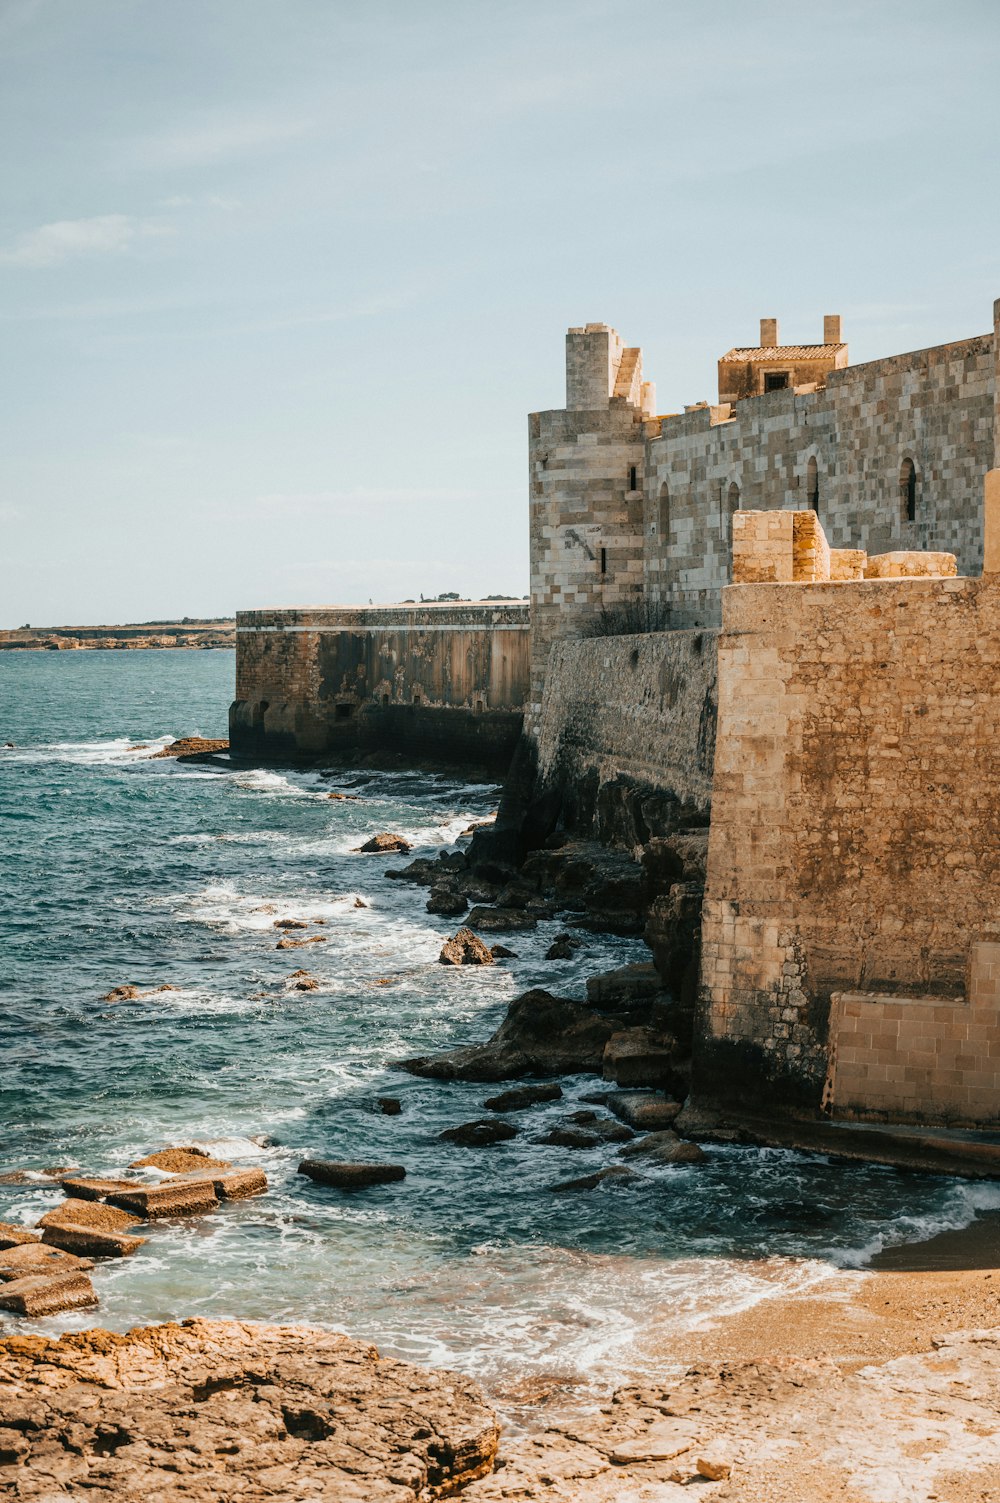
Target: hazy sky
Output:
[{"x": 280, "y": 279}]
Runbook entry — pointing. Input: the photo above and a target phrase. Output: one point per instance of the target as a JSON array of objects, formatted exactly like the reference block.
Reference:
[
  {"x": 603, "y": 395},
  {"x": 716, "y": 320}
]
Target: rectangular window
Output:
[
  {"x": 633, "y": 477},
  {"x": 775, "y": 380},
  {"x": 604, "y": 561}
]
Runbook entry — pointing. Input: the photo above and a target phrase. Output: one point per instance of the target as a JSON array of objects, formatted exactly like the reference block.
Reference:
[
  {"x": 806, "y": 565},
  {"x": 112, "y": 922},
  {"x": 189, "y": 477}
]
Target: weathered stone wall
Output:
[
  {"x": 630, "y": 718},
  {"x": 433, "y": 680},
  {"x": 934, "y": 407},
  {"x": 855, "y": 839}
]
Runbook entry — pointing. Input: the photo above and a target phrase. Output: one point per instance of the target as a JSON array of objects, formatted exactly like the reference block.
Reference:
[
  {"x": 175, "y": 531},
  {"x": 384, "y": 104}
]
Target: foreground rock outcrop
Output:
[
  {"x": 213, "y": 1410},
  {"x": 541, "y": 1035}
]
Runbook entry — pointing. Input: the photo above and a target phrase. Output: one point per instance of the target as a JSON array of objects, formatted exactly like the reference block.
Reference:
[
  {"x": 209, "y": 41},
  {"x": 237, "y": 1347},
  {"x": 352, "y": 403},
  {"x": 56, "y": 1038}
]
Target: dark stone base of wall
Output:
[{"x": 443, "y": 735}]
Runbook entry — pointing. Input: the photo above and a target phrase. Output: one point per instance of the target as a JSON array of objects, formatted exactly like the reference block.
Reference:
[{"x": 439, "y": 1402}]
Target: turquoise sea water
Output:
[{"x": 120, "y": 869}]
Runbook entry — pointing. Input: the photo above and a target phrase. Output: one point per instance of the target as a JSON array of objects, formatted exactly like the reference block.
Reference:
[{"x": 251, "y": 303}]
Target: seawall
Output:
[{"x": 446, "y": 682}]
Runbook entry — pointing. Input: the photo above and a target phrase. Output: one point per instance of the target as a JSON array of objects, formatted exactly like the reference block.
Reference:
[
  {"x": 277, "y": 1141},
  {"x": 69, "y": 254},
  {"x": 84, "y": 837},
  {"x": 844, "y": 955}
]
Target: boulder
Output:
[
  {"x": 541, "y": 1035},
  {"x": 563, "y": 947},
  {"x": 501, "y": 952},
  {"x": 15, "y": 1236},
  {"x": 389, "y": 1106},
  {"x": 301, "y": 981},
  {"x": 619, "y": 990},
  {"x": 213, "y": 1410},
  {"x": 179, "y": 1161},
  {"x": 291, "y": 924},
  {"x": 296, "y": 944},
  {"x": 586, "y": 1130},
  {"x": 345, "y": 1176},
  {"x": 639, "y": 1057},
  {"x": 446, "y": 901},
  {"x": 48, "y": 1294},
  {"x": 642, "y": 1109},
  {"x": 664, "y": 1148},
  {"x": 502, "y": 920},
  {"x": 465, "y": 948},
  {"x": 131, "y": 993},
  {"x": 524, "y": 1096},
  {"x": 614, "y": 1173},
  {"x": 481, "y": 1134},
  {"x": 384, "y": 845}
]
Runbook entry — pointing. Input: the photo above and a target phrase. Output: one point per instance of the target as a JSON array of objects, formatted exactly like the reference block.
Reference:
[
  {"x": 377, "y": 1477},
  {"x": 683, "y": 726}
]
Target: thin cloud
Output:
[
  {"x": 69, "y": 239},
  {"x": 302, "y": 503},
  {"x": 213, "y": 139}
]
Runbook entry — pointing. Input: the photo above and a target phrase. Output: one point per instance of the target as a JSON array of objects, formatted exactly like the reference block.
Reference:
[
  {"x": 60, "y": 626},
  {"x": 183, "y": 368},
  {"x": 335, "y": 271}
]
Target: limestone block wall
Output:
[
  {"x": 633, "y": 709},
  {"x": 933, "y": 407},
  {"x": 919, "y": 1058},
  {"x": 448, "y": 680},
  {"x": 855, "y": 839}
]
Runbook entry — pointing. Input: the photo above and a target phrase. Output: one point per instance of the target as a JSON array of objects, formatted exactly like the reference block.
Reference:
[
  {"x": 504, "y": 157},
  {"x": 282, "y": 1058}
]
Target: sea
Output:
[{"x": 119, "y": 869}]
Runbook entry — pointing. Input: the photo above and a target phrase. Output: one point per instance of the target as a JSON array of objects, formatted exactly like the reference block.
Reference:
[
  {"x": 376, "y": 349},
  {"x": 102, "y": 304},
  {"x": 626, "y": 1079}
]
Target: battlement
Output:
[{"x": 790, "y": 547}]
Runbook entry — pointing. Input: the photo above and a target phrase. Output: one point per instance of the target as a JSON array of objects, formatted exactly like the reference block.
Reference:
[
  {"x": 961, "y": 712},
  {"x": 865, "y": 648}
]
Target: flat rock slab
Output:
[
  {"x": 502, "y": 920},
  {"x": 15, "y": 1236},
  {"x": 89, "y": 1213},
  {"x": 228, "y": 1184},
  {"x": 215, "y": 1410},
  {"x": 643, "y": 1109},
  {"x": 90, "y": 1187},
  {"x": 47, "y": 1294},
  {"x": 90, "y": 1241},
  {"x": 180, "y": 1161},
  {"x": 173, "y": 1198},
  {"x": 32, "y": 1259},
  {"x": 345, "y": 1176}
]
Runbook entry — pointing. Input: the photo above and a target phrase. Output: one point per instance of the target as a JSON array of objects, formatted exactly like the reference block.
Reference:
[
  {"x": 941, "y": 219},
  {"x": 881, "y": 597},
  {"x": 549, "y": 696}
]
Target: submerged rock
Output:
[
  {"x": 218, "y": 1409},
  {"x": 389, "y": 1106},
  {"x": 563, "y": 947},
  {"x": 501, "y": 952},
  {"x": 446, "y": 901},
  {"x": 384, "y": 845},
  {"x": 642, "y": 1109},
  {"x": 291, "y": 924},
  {"x": 614, "y": 1173},
  {"x": 297, "y": 944},
  {"x": 302, "y": 981},
  {"x": 347, "y": 1176},
  {"x": 525, "y": 1096},
  {"x": 502, "y": 920},
  {"x": 191, "y": 747},
  {"x": 481, "y": 1134},
  {"x": 664, "y": 1148},
  {"x": 541, "y": 1035},
  {"x": 465, "y": 948}
]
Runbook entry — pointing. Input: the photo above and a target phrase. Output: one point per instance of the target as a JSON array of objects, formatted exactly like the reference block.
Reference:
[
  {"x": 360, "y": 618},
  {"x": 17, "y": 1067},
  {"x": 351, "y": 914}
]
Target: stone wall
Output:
[
  {"x": 446, "y": 681},
  {"x": 627, "y": 732},
  {"x": 855, "y": 839},
  {"x": 933, "y": 407}
]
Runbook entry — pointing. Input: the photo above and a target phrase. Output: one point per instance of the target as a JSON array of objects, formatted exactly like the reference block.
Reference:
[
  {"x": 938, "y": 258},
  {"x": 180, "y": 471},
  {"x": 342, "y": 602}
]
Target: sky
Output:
[{"x": 280, "y": 280}]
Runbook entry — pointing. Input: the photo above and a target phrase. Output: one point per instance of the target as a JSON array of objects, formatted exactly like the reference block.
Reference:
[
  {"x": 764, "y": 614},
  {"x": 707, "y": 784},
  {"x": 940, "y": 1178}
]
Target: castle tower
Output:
[{"x": 586, "y": 464}]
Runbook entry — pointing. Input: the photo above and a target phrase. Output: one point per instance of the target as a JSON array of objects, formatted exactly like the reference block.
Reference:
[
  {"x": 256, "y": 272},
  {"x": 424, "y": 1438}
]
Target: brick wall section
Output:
[
  {"x": 933, "y": 406},
  {"x": 855, "y": 841},
  {"x": 919, "y": 1058}
]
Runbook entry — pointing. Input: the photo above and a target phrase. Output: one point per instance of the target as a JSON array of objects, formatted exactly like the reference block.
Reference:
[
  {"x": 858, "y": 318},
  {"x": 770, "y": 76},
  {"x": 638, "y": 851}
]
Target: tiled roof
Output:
[{"x": 785, "y": 352}]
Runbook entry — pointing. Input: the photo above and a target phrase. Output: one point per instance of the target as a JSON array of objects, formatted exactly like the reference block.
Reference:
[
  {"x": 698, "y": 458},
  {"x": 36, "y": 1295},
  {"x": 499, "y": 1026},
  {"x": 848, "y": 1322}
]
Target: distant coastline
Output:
[{"x": 186, "y": 633}]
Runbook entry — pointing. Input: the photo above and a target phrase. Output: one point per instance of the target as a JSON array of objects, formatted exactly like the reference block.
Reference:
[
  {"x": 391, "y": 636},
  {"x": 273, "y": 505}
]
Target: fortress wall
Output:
[
  {"x": 855, "y": 839},
  {"x": 443, "y": 681},
  {"x": 933, "y": 406},
  {"x": 637, "y": 712}
]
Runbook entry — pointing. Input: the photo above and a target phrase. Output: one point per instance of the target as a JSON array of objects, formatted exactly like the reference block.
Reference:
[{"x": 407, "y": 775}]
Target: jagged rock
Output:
[
  {"x": 664, "y": 1148},
  {"x": 541, "y": 1035},
  {"x": 586, "y": 1130},
  {"x": 290, "y": 924},
  {"x": 297, "y": 944},
  {"x": 481, "y": 1134},
  {"x": 501, "y": 952},
  {"x": 190, "y": 747},
  {"x": 615, "y": 991},
  {"x": 465, "y": 948},
  {"x": 360, "y": 903},
  {"x": 48, "y": 1294},
  {"x": 104, "y": 1218},
  {"x": 180, "y": 1161},
  {"x": 15, "y": 1236},
  {"x": 502, "y": 920},
  {"x": 615, "y": 1173},
  {"x": 639, "y": 1057},
  {"x": 423, "y": 872},
  {"x": 673, "y": 933},
  {"x": 130, "y": 993},
  {"x": 563, "y": 947},
  {"x": 344, "y": 1176},
  {"x": 301, "y": 981},
  {"x": 446, "y": 901},
  {"x": 213, "y": 1410},
  {"x": 349, "y": 798},
  {"x": 389, "y": 1106},
  {"x": 523, "y": 1097},
  {"x": 642, "y": 1109},
  {"x": 384, "y": 845}
]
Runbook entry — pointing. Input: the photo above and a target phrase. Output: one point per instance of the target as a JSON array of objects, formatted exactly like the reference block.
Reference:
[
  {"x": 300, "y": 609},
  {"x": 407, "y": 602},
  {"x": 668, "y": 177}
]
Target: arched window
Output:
[
  {"x": 734, "y": 504},
  {"x": 812, "y": 484},
  {"x": 663, "y": 519},
  {"x": 908, "y": 490}
]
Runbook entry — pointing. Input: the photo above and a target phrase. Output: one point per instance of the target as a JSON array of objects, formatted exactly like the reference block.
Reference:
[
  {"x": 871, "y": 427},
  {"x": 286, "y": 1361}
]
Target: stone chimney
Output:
[
  {"x": 768, "y": 331},
  {"x": 831, "y": 329}
]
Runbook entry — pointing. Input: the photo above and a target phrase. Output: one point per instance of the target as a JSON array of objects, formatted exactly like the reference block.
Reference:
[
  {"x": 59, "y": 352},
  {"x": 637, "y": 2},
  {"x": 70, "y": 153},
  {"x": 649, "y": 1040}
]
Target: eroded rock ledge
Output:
[{"x": 212, "y": 1410}]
